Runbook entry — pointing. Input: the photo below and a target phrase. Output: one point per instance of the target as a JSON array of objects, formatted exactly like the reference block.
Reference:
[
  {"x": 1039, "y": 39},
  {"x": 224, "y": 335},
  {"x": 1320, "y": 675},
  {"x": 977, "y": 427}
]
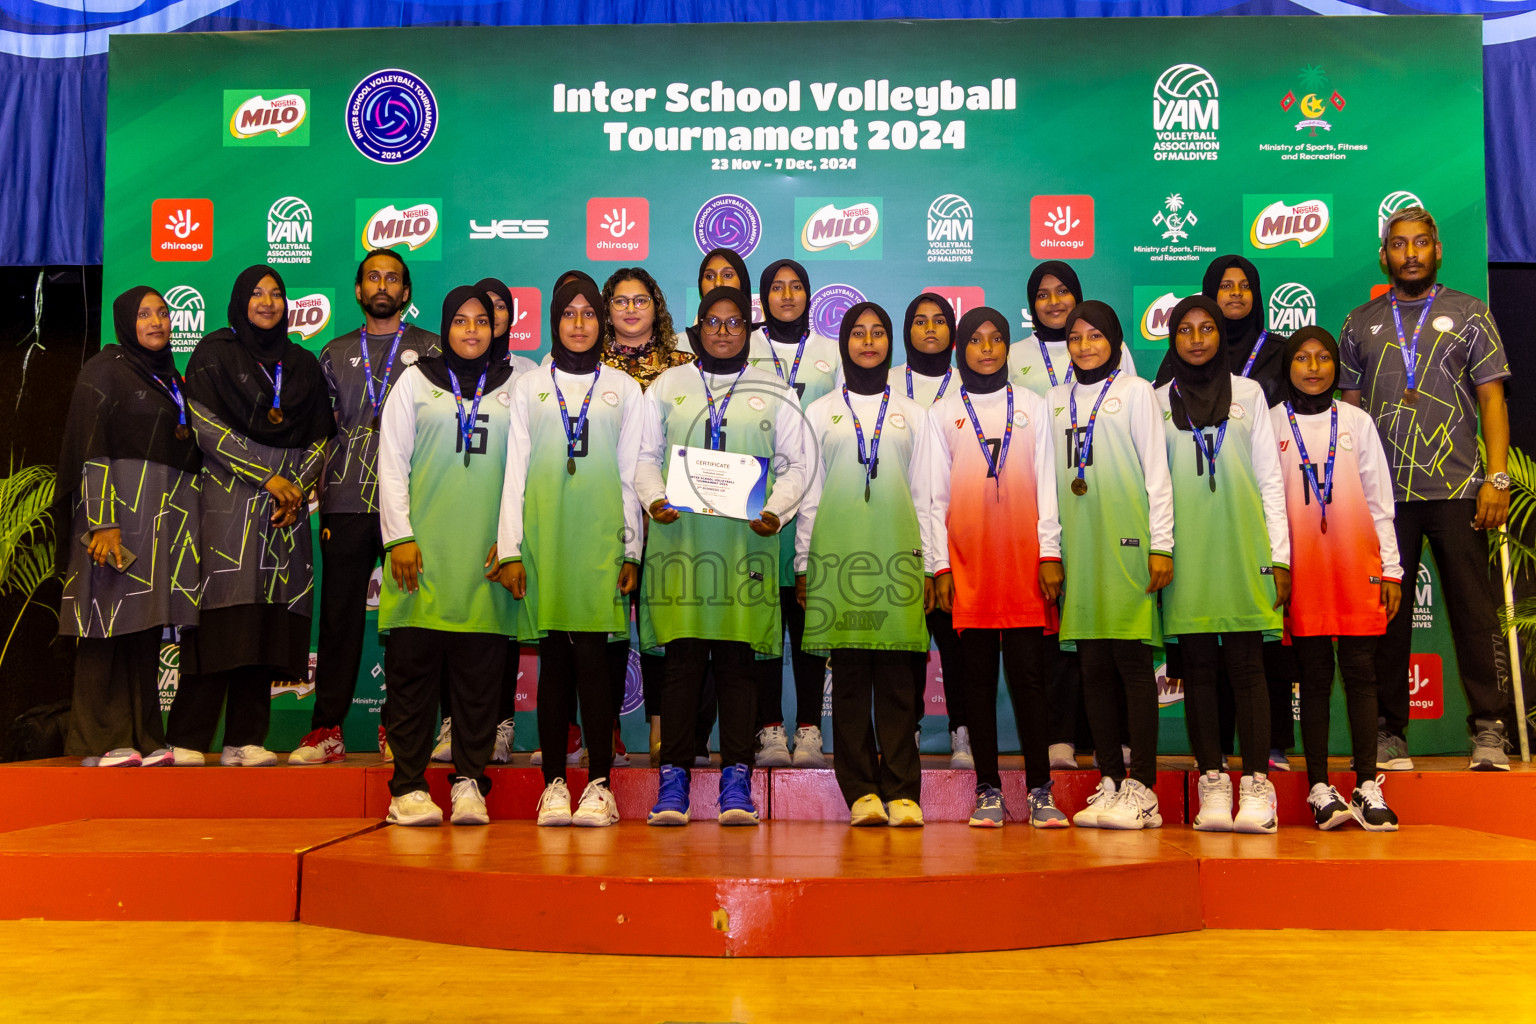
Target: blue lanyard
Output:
[
  {"x": 1085, "y": 446},
  {"x": 778, "y": 367},
  {"x": 1051, "y": 370},
  {"x": 994, "y": 469},
  {"x": 874, "y": 440},
  {"x": 717, "y": 419},
  {"x": 169, "y": 384},
  {"x": 467, "y": 424},
  {"x": 275, "y": 414},
  {"x": 375, "y": 399},
  {"x": 1210, "y": 451},
  {"x": 571, "y": 437},
  {"x": 1324, "y": 490},
  {"x": 1253, "y": 356},
  {"x": 942, "y": 384},
  {"x": 1410, "y": 347}
]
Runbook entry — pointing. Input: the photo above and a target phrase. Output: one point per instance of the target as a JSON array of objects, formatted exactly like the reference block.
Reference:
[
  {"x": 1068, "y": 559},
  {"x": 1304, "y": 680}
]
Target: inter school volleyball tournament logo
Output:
[
  {"x": 1393, "y": 202},
  {"x": 1279, "y": 227},
  {"x": 1186, "y": 114},
  {"x": 1292, "y": 306},
  {"x": 829, "y": 304},
  {"x": 290, "y": 231},
  {"x": 309, "y": 314},
  {"x": 270, "y": 117},
  {"x": 728, "y": 222},
  {"x": 392, "y": 116},
  {"x": 391, "y": 224},
  {"x": 951, "y": 230},
  {"x": 839, "y": 229},
  {"x": 189, "y": 318},
  {"x": 1313, "y": 103}
]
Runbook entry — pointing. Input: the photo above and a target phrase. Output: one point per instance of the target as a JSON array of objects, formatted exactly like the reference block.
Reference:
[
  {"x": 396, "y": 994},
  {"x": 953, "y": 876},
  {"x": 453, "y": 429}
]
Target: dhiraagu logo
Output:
[{"x": 266, "y": 117}]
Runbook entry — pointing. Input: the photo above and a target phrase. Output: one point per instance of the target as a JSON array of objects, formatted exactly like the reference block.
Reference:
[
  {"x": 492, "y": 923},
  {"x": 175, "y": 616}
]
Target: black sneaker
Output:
[
  {"x": 1370, "y": 808},
  {"x": 1328, "y": 807}
]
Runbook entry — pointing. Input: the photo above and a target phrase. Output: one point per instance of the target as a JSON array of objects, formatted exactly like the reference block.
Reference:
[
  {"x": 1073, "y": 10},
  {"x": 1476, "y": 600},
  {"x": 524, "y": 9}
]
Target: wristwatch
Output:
[{"x": 1500, "y": 481}]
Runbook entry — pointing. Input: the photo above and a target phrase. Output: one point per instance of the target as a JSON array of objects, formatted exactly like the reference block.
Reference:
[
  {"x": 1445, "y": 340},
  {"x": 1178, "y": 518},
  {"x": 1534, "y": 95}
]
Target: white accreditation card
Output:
[{"x": 716, "y": 483}]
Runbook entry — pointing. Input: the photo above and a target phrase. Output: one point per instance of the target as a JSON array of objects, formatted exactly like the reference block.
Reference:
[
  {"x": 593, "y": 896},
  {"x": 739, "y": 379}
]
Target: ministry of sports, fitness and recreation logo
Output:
[
  {"x": 188, "y": 317},
  {"x": 310, "y": 313},
  {"x": 1175, "y": 219},
  {"x": 1186, "y": 114},
  {"x": 1393, "y": 202},
  {"x": 828, "y": 306},
  {"x": 838, "y": 229},
  {"x": 1292, "y": 306},
  {"x": 951, "y": 230},
  {"x": 728, "y": 222},
  {"x": 1314, "y": 102},
  {"x": 391, "y": 116},
  {"x": 390, "y": 224},
  {"x": 1279, "y": 227},
  {"x": 269, "y": 117},
  {"x": 290, "y": 231}
]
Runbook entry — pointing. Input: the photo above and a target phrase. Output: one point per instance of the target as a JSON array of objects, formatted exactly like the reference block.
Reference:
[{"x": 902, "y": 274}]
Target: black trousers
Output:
[
  {"x": 951, "y": 664},
  {"x": 1468, "y": 595},
  {"x": 810, "y": 672},
  {"x": 688, "y": 661},
  {"x": 1242, "y": 655},
  {"x": 572, "y": 665},
  {"x": 117, "y": 697},
  {"x": 1023, "y": 652},
  {"x": 420, "y": 660},
  {"x": 506, "y": 704},
  {"x": 1064, "y": 695},
  {"x": 1357, "y": 664},
  {"x": 200, "y": 698},
  {"x": 1280, "y": 675},
  {"x": 877, "y": 757},
  {"x": 1120, "y": 691},
  {"x": 351, "y": 546}
]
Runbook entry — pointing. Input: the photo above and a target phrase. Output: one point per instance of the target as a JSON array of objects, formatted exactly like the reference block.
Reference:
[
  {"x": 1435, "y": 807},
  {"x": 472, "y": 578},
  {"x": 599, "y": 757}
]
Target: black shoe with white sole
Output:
[
  {"x": 1328, "y": 807},
  {"x": 1370, "y": 808}
]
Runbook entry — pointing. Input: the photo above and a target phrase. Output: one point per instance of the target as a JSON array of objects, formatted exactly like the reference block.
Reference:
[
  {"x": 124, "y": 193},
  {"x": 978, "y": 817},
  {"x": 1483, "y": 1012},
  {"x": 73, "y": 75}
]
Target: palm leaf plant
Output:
[{"x": 26, "y": 537}]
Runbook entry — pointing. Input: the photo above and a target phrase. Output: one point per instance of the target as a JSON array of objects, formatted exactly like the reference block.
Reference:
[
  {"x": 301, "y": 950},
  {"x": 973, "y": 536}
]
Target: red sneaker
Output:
[
  {"x": 573, "y": 745},
  {"x": 385, "y": 754},
  {"x": 322, "y": 746},
  {"x": 620, "y": 755}
]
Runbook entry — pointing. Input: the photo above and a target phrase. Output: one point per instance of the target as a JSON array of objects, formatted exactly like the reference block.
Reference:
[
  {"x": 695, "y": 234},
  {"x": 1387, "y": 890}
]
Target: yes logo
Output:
[
  {"x": 181, "y": 230},
  {"x": 618, "y": 228},
  {"x": 1061, "y": 226}
]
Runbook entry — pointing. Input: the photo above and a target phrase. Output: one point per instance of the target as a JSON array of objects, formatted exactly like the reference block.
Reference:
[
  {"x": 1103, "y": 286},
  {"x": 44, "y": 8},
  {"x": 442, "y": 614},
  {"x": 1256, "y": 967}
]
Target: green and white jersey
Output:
[
  {"x": 1228, "y": 539},
  {"x": 710, "y": 577},
  {"x": 819, "y": 373},
  {"x": 428, "y": 495},
  {"x": 1028, "y": 366},
  {"x": 863, "y": 560},
  {"x": 1108, "y": 532},
  {"x": 923, "y": 390},
  {"x": 572, "y": 531}
]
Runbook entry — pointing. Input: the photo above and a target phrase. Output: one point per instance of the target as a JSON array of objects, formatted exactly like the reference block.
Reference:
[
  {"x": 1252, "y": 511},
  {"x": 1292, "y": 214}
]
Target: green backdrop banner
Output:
[{"x": 1138, "y": 149}]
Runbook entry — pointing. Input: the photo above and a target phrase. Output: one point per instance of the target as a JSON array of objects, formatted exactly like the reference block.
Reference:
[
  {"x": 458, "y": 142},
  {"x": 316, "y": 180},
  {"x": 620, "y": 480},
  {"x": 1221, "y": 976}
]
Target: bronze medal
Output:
[
  {"x": 570, "y": 465},
  {"x": 1079, "y": 487},
  {"x": 373, "y": 424},
  {"x": 274, "y": 415},
  {"x": 1325, "y": 523},
  {"x": 866, "y": 490},
  {"x": 1411, "y": 396},
  {"x": 182, "y": 433}
]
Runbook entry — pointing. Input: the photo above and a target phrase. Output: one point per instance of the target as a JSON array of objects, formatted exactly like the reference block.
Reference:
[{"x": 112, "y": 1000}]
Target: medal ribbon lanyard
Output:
[
  {"x": 995, "y": 469},
  {"x": 942, "y": 384},
  {"x": 376, "y": 399},
  {"x": 1085, "y": 445},
  {"x": 1211, "y": 451},
  {"x": 571, "y": 437},
  {"x": 1323, "y": 489},
  {"x": 467, "y": 424},
  {"x": 717, "y": 418},
  {"x": 874, "y": 441},
  {"x": 1410, "y": 346}
]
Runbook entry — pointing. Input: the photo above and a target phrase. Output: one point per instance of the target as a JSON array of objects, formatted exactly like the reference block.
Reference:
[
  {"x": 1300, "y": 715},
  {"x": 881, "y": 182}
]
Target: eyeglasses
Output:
[
  {"x": 639, "y": 302},
  {"x": 714, "y": 324},
  {"x": 585, "y": 313}
]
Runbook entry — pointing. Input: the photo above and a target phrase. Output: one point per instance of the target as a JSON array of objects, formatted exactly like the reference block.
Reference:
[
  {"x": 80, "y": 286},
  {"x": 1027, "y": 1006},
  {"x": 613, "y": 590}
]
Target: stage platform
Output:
[{"x": 307, "y": 844}]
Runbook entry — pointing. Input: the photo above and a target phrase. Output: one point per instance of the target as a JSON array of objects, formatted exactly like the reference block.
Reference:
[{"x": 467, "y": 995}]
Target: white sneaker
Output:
[
  {"x": 469, "y": 804},
  {"x": 1329, "y": 810},
  {"x": 503, "y": 752},
  {"x": 773, "y": 747},
  {"x": 960, "y": 755},
  {"x": 555, "y": 805},
  {"x": 443, "y": 751},
  {"x": 249, "y": 756},
  {"x": 1256, "y": 806},
  {"x": 320, "y": 746},
  {"x": 414, "y": 808},
  {"x": 186, "y": 757},
  {"x": 808, "y": 748},
  {"x": 1215, "y": 814},
  {"x": 162, "y": 757},
  {"x": 1135, "y": 808},
  {"x": 597, "y": 809},
  {"x": 1099, "y": 801},
  {"x": 1063, "y": 755},
  {"x": 117, "y": 757}
]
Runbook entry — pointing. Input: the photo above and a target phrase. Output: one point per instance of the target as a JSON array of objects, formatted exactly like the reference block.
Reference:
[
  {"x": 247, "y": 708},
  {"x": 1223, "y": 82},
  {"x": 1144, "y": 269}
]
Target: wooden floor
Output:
[{"x": 67, "y": 972}]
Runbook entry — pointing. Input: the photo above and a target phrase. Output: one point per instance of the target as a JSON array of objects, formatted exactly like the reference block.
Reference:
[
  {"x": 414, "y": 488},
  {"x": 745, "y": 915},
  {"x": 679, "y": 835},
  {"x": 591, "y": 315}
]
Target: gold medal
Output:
[
  {"x": 1079, "y": 487},
  {"x": 274, "y": 415},
  {"x": 1411, "y": 396}
]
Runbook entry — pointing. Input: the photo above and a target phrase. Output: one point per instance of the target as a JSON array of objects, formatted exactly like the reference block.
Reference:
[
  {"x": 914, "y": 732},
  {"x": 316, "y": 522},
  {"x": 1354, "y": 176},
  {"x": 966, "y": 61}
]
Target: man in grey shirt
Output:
[{"x": 1427, "y": 363}]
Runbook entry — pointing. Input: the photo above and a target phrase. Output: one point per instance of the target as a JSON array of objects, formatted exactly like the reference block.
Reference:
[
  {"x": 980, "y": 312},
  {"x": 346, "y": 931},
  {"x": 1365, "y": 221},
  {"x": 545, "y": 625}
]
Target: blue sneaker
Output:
[
  {"x": 1043, "y": 812},
  {"x": 736, "y": 807},
  {"x": 989, "y": 812},
  {"x": 672, "y": 802}
]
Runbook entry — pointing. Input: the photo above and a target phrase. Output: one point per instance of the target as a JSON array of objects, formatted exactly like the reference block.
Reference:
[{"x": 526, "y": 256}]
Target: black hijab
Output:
[
  {"x": 976, "y": 383},
  {"x": 125, "y": 323},
  {"x": 929, "y": 364},
  {"x": 564, "y": 358},
  {"x": 580, "y": 275},
  {"x": 1204, "y": 395},
  {"x": 1102, "y": 316},
  {"x": 738, "y": 264},
  {"x": 467, "y": 371},
  {"x": 232, "y": 373},
  {"x": 1270, "y": 370},
  {"x": 785, "y": 331},
  {"x": 862, "y": 381},
  {"x": 737, "y": 298},
  {"x": 490, "y": 286},
  {"x": 1067, "y": 276},
  {"x": 1304, "y": 403}
]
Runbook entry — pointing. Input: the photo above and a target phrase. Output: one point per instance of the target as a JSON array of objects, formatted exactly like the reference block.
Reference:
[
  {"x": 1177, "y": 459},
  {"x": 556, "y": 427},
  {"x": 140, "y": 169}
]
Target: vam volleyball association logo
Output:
[
  {"x": 392, "y": 116},
  {"x": 951, "y": 230},
  {"x": 1186, "y": 114},
  {"x": 728, "y": 222},
  {"x": 290, "y": 231},
  {"x": 1292, "y": 306},
  {"x": 189, "y": 318},
  {"x": 1393, "y": 202}
]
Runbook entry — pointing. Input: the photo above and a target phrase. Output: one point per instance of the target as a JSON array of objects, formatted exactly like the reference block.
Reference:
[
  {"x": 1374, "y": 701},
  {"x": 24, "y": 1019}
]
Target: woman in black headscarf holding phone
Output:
[{"x": 260, "y": 411}]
